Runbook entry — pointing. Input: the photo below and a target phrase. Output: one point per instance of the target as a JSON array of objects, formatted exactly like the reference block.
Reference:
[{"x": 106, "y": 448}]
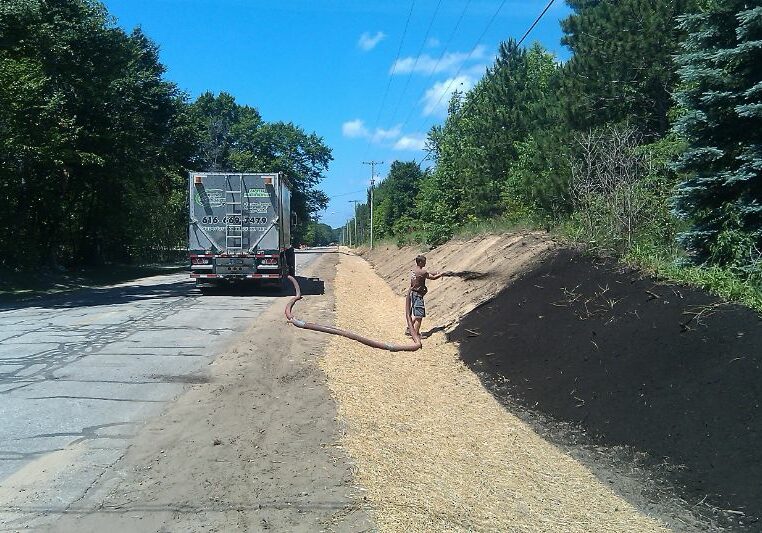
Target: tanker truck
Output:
[{"x": 239, "y": 228}]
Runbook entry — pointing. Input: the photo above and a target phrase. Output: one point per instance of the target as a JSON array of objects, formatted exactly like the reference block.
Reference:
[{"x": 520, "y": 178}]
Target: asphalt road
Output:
[{"x": 86, "y": 369}]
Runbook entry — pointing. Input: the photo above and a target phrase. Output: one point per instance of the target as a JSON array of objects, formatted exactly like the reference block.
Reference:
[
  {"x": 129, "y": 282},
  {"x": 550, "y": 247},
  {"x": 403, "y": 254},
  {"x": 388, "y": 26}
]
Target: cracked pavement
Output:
[{"x": 81, "y": 372}]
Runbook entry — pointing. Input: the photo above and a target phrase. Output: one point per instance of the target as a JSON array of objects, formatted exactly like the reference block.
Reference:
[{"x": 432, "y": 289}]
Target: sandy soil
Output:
[
  {"x": 434, "y": 450},
  {"x": 497, "y": 259},
  {"x": 252, "y": 449}
]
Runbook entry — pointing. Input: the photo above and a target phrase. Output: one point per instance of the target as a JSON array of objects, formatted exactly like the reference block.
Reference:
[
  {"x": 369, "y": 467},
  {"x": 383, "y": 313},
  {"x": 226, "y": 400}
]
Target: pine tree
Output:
[
  {"x": 721, "y": 102},
  {"x": 622, "y": 66}
]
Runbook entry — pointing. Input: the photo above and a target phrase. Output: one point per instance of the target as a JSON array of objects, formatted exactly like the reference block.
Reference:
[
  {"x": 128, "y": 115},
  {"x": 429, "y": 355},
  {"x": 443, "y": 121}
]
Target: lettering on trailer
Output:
[
  {"x": 221, "y": 229},
  {"x": 256, "y": 193},
  {"x": 210, "y": 197},
  {"x": 258, "y": 207}
]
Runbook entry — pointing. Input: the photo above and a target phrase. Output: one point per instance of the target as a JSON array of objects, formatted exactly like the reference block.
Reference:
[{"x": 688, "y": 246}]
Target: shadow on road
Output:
[
  {"x": 308, "y": 286},
  {"x": 106, "y": 296},
  {"x": 177, "y": 289}
]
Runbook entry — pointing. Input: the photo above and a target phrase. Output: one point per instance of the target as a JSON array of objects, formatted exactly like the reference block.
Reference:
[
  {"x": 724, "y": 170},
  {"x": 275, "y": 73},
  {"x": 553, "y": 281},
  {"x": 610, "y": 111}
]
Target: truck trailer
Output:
[{"x": 239, "y": 228}]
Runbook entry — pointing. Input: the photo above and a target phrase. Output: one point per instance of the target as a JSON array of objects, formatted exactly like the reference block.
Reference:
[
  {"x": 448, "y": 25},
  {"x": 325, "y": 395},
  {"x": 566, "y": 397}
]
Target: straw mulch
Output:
[{"x": 433, "y": 449}]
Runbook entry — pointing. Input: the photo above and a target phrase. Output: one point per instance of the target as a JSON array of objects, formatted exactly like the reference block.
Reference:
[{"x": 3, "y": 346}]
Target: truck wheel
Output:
[{"x": 206, "y": 289}]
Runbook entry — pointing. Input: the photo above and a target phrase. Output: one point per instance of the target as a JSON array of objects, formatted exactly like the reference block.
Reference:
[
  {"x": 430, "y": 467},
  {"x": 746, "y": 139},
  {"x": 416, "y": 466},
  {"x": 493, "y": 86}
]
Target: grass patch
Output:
[
  {"x": 719, "y": 281},
  {"x": 496, "y": 225}
]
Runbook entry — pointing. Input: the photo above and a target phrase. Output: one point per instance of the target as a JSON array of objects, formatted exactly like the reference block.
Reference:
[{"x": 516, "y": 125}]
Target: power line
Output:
[
  {"x": 415, "y": 64},
  {"x": 460, "y": 68},
  {"x": 535, "y": 22},
  {"x": 388, "y": 84},
  {"x": 523, "y": 37},
  {"x": 526, "y": 33},
  {"x": 343, "y": 194},
  {"x": 439, "y": 61}
]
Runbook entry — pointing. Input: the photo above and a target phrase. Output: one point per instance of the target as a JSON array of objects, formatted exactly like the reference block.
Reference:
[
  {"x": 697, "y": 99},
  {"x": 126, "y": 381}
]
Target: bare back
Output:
[{"x": 418, "y": 277}]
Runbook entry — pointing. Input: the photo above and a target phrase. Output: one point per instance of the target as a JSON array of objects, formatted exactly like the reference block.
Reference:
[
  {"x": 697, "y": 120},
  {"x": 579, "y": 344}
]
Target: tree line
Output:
[
  {"x": 646, "y": 142},
  {"x": 95, "y": 143}
]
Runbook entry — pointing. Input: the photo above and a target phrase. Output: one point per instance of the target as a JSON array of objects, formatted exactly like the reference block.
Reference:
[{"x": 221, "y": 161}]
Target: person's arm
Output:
[{"x": 436, "y": 275}]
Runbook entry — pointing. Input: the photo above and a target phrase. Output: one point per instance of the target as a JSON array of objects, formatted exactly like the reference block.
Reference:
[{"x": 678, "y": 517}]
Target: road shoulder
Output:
[{"x": 252, "y": 449}]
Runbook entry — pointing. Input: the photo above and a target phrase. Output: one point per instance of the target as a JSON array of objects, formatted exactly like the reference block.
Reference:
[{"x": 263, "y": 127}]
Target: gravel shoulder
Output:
[{"x": 253, "y": 448}]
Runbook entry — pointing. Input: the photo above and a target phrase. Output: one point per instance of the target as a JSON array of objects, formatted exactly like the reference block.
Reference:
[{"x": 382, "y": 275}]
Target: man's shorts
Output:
[{"x": 418, "y": 308}]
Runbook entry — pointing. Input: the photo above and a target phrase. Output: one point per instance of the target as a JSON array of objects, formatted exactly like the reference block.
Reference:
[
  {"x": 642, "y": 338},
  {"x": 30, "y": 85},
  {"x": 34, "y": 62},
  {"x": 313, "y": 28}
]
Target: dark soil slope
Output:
[{"x": 665, "y": 369}]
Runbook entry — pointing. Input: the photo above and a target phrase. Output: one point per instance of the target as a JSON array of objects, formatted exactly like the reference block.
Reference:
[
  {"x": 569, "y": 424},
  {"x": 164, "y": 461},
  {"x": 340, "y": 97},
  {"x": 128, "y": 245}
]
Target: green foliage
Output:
[
  {"x": 721, "y": 121},
  {"x": 734, "y": 287},
  {"x": 235, "y": 138},
  {"x": 585, "y": 148},
  {"x": 95, "y": 143},
  {"x": 537, "y": 183},
  {"x": 394, "y": 199},
  {"x": 318, "y": 234},
  {"x": 92, "y": 138},
  {"x": 622, "y": 67}
]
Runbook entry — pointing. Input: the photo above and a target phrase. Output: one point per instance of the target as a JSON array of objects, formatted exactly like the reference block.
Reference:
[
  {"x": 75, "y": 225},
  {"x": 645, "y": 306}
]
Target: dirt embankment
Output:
[
  {"x": 668, "y": 372},
  {"x": 655, "y": 387},
  {"x": 491, "y": 260},
  {"x": 434, "y": 450}
]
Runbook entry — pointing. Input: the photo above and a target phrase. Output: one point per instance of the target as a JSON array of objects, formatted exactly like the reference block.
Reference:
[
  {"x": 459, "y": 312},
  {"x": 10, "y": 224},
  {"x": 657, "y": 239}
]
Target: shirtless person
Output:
[{"x": 418, "y": 277}]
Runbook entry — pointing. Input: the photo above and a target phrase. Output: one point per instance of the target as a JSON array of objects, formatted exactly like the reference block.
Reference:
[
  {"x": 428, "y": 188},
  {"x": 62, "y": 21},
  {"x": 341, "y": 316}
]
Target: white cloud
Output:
[
  {"x": 437, "y": 98},
  {"x": 381, "y": 134},
  {"x": 354, "y": 129},
  {"x": 433, "y": 42},
  {"x": 368, "y": 42},
  {"x": 413, "y": 141},
  {"x": 450, "y": 62}
]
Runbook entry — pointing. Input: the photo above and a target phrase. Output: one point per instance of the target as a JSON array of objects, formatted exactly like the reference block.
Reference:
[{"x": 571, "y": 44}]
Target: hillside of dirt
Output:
[
  {"x": 669, "y": 372},
  {"x": 491, "y": 262},
  {"x": 634, "y": 377},
  {"x": 434, "y": 451}
]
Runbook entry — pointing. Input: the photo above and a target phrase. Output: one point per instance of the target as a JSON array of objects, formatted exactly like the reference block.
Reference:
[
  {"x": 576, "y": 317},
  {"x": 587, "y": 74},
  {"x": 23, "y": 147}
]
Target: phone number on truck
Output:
[{"x": 257, "y": 221}]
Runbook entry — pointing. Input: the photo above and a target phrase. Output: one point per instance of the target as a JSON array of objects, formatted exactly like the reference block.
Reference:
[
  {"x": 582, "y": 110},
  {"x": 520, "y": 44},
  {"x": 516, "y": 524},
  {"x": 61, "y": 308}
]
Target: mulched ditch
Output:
[{"x": 667, "y": 370}]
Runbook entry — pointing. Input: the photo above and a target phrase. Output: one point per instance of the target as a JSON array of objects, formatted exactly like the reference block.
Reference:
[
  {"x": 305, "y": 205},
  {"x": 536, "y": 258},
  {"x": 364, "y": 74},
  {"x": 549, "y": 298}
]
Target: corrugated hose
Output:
[{"x": 416, "y": 345}]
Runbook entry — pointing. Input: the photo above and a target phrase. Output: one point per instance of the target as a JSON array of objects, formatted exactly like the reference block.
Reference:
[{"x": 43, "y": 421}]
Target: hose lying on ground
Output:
[{"x": 416, "y": 345}]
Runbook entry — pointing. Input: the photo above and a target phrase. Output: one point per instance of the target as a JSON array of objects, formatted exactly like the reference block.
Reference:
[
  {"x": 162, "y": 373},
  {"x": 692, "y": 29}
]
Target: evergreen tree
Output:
[
  {"x": 721, "y": 102},
  {"x": 622, "y": 64}
]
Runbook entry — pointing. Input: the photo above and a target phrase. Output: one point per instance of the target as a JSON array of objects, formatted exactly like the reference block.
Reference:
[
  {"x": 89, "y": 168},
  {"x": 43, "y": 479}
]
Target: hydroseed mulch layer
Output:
[
  {"x": 665, "y": 369},
  {"x": 433, "y": 450}
]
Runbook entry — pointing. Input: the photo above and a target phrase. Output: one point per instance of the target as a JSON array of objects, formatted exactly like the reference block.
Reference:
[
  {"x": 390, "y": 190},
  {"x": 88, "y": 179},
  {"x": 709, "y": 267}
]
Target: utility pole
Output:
[
  {"x": 355, "y": 202},
  {"x": 372, "y": 183}
]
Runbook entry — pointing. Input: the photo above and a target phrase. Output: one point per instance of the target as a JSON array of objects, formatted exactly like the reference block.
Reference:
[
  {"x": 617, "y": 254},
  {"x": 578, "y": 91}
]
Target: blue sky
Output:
[{"x": 370, "y": 77}]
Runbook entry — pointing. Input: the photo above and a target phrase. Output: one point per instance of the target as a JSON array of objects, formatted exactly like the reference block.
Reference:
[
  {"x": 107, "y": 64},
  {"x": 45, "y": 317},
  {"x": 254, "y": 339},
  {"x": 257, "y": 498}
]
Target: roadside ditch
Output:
[{"x": 654, "y": 388}]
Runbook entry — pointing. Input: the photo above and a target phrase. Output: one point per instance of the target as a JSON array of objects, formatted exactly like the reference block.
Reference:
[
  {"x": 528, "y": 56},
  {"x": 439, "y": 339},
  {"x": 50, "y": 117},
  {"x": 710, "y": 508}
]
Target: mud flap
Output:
[{"x": 291, "y": 261}]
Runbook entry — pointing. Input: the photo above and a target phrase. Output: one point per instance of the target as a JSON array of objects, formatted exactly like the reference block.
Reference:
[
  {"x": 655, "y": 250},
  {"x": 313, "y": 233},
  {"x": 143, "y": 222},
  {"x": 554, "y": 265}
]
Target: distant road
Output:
[{"x": 88, "y": 367}]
